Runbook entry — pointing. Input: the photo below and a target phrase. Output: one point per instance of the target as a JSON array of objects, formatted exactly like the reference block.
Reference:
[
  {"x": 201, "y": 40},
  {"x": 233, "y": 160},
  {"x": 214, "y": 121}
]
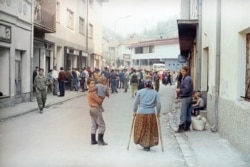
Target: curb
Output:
[{"x": 36, "y": 109}]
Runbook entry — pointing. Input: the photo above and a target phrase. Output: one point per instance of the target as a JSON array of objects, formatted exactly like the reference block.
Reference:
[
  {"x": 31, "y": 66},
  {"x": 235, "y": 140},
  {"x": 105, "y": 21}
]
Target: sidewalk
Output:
[
  {"x": 27, "y": 107},
  {"x": 205, "y": 148}
]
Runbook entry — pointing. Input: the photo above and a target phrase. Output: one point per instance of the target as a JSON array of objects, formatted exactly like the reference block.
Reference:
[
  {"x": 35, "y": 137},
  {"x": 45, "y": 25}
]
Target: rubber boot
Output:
[
  {"x": 187, "y": 127},
  {"x": 181, "y": 128},
  {"x": 100, "y": 140},
  {"x": 93, "y": 140}
]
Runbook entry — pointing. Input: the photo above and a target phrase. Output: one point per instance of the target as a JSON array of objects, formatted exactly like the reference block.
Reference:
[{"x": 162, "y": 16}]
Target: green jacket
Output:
[{"x": 41, "y": 83}]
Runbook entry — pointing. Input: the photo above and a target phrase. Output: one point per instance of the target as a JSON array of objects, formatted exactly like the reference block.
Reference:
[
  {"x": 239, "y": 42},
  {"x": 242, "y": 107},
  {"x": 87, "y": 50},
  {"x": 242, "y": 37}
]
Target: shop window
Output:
[{"x": 4, "y": 72}]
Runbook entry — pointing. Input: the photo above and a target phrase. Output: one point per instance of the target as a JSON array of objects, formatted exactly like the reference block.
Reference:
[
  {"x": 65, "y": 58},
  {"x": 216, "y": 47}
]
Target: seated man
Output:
[{"x": 199, "y": 104}]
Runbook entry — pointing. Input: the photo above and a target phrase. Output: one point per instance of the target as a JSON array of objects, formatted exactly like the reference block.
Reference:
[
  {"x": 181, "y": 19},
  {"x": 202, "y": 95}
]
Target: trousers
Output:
[
  {"x": 41, "y": 98},
  {"x": 186, "y": 110},
  {"x": 97, "y": 121}
]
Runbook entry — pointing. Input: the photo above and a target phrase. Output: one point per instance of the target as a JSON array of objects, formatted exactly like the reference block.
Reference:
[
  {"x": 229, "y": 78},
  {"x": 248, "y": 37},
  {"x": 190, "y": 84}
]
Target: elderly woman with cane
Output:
[{"x": 145, "y": 128}]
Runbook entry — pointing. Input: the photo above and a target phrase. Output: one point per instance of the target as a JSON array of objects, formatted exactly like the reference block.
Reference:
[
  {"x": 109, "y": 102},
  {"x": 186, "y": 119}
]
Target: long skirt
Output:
[{"x": 146, "y": 130}]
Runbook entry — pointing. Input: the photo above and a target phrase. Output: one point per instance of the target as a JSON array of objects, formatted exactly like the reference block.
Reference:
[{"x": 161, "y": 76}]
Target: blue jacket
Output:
[
  {"x": 145, "y": 102},
  {"x": 186, "y": 88}
]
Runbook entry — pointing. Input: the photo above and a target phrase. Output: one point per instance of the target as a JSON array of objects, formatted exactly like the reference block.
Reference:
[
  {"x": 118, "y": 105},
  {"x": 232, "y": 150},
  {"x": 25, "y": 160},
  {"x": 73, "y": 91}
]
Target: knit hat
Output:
[{"x": 148, "y": 82}]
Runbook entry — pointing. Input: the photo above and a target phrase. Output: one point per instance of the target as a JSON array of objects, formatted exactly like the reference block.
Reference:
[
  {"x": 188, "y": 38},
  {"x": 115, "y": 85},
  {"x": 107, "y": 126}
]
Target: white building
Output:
[
  {"x": 145, "y": 53},
  {"x": 15, "y": 51},
  {"x": 75, "y": 38},
  {"x": 224, "y": 64}
]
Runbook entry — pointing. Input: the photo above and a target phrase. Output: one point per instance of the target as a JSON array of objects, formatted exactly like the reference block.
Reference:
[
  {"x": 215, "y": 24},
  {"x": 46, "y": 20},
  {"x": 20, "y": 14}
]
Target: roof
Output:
[
  {"x": 187, "y": 35},
  {"x": 155, "y": 42}
]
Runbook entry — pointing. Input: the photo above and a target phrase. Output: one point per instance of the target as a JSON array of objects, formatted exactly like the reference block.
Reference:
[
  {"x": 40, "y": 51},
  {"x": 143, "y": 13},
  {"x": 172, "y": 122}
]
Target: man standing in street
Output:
[
  {"x": 55, "y": 80},
  {"x": 35, "y": 72},
  {"x": 113, "y": 76},
  {"x": 40, "y": 83},
  {"x": 134, "y": 83},
  {"x": 126, "y": 79},
  {"x": 61, "y": 79},
  {"x": 185, "y": 92}
]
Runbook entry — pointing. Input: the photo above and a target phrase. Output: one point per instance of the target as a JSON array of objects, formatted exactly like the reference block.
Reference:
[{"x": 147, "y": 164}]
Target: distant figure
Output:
[
  {"x": 40, "y": 83},
  {"x": 61, "y": 80},
  {"x": 134, "y": 83},
  {"x": 35, "y": 72},
  {"x": 55, "y": 80}
]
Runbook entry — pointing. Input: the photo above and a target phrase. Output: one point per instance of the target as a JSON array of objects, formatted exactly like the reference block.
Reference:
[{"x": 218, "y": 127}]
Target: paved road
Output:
[{"x": 61, "y": 137}]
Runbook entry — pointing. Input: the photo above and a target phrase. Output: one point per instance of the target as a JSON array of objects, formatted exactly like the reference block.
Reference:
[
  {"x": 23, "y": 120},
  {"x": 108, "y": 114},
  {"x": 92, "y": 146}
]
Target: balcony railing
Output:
[{"x": 44, "y": 20}]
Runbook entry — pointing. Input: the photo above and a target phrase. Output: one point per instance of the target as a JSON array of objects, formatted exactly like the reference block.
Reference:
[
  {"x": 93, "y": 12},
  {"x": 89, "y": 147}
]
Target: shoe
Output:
[
  {"x": 181, "y": 129},
  {"x": 100, "y": 140},
  {"x": 187, "y": 126},
  {"x": 41, "y": 110},
  {"x": 146, "y": 148},
  {"x": 93, "y": 140}
]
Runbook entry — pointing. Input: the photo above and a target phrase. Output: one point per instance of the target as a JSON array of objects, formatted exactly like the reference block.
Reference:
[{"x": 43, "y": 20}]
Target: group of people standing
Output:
[
  {"x": 146, "y": 105},
  {"x": 41, "y": 83}
]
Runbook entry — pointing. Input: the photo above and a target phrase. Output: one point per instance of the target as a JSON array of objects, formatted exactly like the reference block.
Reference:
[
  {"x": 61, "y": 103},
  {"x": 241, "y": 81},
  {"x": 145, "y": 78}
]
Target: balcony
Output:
[{"x": 44, "y": 21}]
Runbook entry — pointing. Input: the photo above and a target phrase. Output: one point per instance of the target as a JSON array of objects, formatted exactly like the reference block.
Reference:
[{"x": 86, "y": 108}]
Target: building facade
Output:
[
  {"x": 145, "y": 53},
  {"x": 16, "y": 38},
  {"x": 45, "y": 33},
  {"x": 79, "y": 33},
  {"x": 224, "y": 66}
]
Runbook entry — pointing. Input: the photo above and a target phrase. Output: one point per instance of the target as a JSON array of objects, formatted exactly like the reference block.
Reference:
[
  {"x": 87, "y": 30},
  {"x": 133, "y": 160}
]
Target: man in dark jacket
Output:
[
  {"x": 185, "y": 92},
  {"x": 61, "y": 79}
]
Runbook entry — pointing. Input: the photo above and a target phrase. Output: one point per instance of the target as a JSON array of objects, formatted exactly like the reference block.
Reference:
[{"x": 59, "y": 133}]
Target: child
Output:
[
  {"x": 101, "y": 89},
  {"x": 199, "y": 104}
]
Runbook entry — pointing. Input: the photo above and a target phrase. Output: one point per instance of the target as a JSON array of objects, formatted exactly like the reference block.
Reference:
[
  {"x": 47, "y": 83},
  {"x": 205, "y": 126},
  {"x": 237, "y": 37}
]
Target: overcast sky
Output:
[{"x": 128, "y": 16}]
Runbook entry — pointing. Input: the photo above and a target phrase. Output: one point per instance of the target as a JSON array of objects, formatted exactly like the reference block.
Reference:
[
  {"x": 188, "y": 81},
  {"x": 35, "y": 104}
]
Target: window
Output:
[
  {"x": 138, "y": 50},
  {"x": 145, "y": 49},
  {"x": 70, "y": 19},
  {"x": 91, "y": 31},
  {"x": 247, "y": 81},
  {"x": 58, "y": 12},
  {"x": 151, "y": 49},
  {"x": 91, "y": 4},
  {"x": 81, "y": 26}
]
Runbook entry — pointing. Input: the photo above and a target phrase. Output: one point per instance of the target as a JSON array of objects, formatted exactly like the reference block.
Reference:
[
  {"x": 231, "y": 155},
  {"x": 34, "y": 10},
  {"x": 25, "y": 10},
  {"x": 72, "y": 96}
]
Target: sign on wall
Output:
[
  {"x": 5, "y": 33},
  {"x": 182, "y": 59}
]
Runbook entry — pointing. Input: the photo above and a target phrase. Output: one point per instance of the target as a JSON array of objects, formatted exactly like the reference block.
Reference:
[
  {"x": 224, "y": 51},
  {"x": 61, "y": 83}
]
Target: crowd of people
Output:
[{"x": 144, "y": 85}]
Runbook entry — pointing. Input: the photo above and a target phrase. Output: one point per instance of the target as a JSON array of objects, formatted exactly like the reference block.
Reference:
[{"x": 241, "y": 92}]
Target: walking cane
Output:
[
  {"x": 131, "y": 131},
  {"x": 159, "y": 126}
]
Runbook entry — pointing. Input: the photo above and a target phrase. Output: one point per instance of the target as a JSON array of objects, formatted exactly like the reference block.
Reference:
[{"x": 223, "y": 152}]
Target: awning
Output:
[{"x": 187, "y": 35}]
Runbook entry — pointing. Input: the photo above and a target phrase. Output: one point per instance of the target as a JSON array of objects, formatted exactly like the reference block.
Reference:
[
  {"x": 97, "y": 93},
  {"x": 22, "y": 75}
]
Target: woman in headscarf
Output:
[{"x": 146, "y": 129}]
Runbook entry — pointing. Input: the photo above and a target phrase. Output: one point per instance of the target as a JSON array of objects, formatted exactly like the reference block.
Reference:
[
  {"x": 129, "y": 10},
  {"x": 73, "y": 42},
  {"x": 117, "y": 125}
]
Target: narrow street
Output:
[{"x": 60, "y": 137}]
